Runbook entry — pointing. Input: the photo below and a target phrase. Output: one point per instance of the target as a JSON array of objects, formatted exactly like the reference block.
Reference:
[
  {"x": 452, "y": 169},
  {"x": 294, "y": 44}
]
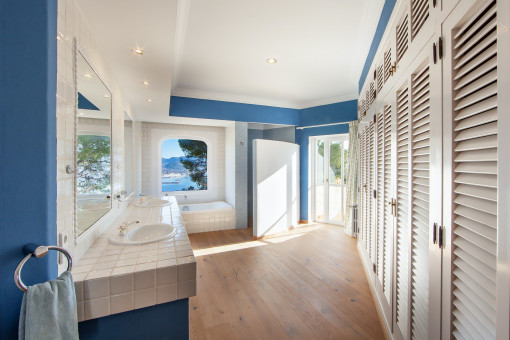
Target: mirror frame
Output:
[{"x": 76, "y": 51}]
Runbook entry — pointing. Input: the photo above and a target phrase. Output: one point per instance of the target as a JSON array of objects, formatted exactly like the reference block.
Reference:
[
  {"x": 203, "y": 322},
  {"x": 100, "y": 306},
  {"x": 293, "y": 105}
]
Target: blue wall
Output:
[
  {"x": 28, "y": 70},
  {"x": 326, "y": 114},
  {"x": 381, "y": 27},
  {"x": 214, "y": 109},
  {"x": 164, "y": 321}
]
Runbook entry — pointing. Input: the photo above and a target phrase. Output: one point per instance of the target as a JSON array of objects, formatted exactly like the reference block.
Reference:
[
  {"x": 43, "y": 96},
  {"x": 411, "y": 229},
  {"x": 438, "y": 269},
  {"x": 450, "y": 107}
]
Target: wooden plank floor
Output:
[{"x": 307, "y": 283}]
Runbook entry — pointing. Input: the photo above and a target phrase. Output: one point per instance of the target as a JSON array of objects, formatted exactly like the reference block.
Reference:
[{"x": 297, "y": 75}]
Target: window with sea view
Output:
[{"x": 183, "y": 165}]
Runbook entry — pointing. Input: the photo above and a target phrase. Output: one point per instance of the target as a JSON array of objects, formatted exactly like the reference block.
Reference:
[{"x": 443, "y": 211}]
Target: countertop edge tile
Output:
[{"x": 144, "y": 291}]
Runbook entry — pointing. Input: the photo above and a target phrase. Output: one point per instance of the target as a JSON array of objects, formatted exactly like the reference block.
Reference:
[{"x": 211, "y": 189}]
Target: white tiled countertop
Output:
[{"x": 112, "y": 279}]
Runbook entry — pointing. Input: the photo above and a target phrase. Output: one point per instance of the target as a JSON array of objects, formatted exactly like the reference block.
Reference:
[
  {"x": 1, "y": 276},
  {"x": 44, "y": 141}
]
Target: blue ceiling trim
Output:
[
  {"x": 330, "y": 113},
  {"x": 240, "y": 112}
]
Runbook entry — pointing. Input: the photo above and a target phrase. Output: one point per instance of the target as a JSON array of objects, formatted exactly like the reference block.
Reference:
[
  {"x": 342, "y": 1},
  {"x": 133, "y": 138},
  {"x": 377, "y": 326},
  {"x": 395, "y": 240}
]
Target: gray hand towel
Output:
[{"x": 48, "y": 311}]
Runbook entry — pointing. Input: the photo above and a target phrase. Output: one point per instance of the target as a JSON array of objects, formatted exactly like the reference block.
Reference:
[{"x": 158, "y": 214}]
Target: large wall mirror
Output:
[
  {"x": 93, "y": 146},
  {"x": 128, "y": 154}
]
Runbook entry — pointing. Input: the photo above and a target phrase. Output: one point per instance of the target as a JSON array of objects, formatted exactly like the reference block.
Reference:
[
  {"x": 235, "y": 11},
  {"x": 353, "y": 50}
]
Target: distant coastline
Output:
[{"x": 176, "y": 183}]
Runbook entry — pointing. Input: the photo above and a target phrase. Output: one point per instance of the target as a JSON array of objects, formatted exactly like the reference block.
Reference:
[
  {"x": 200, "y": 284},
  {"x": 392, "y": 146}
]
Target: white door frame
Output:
[{"x": 313, "y": 158}]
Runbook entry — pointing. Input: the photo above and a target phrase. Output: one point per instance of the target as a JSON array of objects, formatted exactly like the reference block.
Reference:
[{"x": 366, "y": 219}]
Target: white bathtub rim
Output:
[{"x": 181, "y": 206}]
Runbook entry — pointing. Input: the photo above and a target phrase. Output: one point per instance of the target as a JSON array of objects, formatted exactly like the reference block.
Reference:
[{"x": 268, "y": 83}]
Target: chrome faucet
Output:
[
  {"x": 144, "y": 198},
  {"x": 125, "y": 225}
]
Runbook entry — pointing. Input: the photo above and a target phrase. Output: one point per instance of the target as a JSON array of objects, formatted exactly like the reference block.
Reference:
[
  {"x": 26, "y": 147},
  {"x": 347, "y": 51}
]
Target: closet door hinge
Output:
[
  {"x": 440, "y": 47},
  {"x": 440, "y": 237}
]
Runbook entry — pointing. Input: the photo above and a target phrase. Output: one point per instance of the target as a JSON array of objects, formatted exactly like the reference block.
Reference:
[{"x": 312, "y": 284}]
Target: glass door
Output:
[{"x": 330, "y": 178}]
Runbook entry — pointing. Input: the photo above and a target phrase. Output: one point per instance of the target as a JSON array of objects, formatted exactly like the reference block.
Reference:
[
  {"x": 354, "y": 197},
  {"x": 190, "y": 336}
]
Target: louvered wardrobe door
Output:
[
  {"x": 471, "y": 192},
  {"x": 388, "y": 207},
  {"x": 384, "y": 208},
  {"x": 420, "y": 12},
  {"x": 372, "y": 225},
  {"x": 387, "y": 65},
  {"x": 420, "y": 198},
  {"x": 422, "y": 25},
  {"x": 365, "y": 213},
  {"x": 402, "y": 37},
  {"x": 380, "y": 198},
  {"x": 402, "y": 208},
  {"x": 362, "y": 167}
]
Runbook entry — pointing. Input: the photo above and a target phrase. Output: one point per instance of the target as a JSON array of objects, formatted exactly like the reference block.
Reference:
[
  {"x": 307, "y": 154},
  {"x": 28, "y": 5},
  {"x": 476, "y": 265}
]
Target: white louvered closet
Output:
[{"x": 434, "y": 165}]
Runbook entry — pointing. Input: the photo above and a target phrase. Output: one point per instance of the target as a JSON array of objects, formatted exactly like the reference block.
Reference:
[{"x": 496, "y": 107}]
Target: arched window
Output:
[{"x": 183, "y": 165}]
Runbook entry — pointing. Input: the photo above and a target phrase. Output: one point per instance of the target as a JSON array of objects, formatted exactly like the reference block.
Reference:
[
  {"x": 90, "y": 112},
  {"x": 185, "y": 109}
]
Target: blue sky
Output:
[{"x": 170, "y": 148}]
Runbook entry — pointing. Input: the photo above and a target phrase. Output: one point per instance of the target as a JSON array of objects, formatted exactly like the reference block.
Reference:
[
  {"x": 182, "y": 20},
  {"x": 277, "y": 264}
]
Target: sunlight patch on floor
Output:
[
  {"x": 246, "y": 245},
  {"x": 228, "y": 247}
]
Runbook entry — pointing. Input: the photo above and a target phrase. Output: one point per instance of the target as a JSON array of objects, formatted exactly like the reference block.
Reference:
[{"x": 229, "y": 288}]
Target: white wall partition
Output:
[{"x": 275, "y": 186}]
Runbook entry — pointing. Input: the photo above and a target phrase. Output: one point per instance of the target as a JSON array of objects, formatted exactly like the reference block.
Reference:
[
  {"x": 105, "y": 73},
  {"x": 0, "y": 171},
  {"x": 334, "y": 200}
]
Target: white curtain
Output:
[{"x": 352, "y": 178}]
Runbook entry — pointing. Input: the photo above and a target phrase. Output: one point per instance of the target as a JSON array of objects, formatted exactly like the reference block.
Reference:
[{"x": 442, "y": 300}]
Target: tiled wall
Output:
[
  {"x": 230, "y": 165},
  {"x": 153, "y": 134},
  {"x": 241, "y": 178},
  {"x": 209, "y": 220},
  {"x": 72, "y": 24}
]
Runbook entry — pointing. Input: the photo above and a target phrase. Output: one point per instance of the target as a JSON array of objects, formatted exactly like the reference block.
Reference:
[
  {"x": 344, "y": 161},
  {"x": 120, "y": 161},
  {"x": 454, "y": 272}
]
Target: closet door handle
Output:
[
  {"x": 434, "y": 52},
  {"x": 440, "y": 237},
  {"x": 434, "y": 235}
]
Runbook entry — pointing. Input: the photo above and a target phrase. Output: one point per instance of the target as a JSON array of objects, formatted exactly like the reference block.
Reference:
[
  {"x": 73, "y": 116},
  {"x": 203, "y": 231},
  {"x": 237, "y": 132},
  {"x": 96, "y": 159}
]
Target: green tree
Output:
[
  {"x": 93, "y": 164},
  {"x": 335, "y": 158},
  {"x": 195, "y": 161}
]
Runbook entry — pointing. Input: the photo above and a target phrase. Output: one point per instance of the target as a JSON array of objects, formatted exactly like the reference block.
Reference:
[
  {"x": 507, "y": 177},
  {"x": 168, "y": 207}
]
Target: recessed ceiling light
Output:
[
  {"x": 271, "y": 61},
  {"x": 149, "y": 100},
  {"x": 81, "y": 113},
  {"x": 138, "y": 51},
  {"x": 87, "y": 75},
  {"x": 106, "y": 96},
  {"x": 146, "y": 83}
]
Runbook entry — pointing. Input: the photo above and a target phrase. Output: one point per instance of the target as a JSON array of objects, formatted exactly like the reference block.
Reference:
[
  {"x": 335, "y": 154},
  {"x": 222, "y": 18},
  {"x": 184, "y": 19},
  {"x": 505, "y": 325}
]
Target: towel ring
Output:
[{"x": 38, "y": 252}]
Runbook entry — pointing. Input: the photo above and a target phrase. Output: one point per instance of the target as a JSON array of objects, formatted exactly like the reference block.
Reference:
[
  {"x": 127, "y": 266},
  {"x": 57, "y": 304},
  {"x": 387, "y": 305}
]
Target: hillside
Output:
[{"x": 172, "y": 165}]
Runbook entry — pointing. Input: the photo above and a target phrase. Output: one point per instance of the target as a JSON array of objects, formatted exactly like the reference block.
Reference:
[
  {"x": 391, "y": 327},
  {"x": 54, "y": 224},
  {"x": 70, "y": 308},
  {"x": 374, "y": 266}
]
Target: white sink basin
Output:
[
  {"x": 153, "y": 203},
  {"x": 144, "y": 234}
]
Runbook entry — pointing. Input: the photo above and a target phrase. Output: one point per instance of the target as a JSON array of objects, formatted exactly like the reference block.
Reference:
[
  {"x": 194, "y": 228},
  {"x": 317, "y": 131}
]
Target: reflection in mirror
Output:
[
  {"x": 93, "y": 147},
  {"x": 128, "y": 154}
]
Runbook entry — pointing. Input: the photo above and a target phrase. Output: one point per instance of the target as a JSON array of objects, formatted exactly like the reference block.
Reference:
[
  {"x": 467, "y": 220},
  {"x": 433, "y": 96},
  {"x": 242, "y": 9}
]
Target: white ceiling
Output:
[
  {"x": 119, "y": 26},
  {"x": 320, "y": 46},
  {"x": 217, "y": 49}
]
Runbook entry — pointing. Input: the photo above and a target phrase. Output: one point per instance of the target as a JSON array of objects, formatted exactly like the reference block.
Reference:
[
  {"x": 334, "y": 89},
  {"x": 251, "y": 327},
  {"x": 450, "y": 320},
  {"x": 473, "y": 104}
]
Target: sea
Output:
[{"x": 176, "y": 184}]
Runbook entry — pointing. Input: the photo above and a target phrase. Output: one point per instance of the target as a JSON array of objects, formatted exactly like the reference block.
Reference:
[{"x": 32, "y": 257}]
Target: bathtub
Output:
[{"x": 203, "y": 217}]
